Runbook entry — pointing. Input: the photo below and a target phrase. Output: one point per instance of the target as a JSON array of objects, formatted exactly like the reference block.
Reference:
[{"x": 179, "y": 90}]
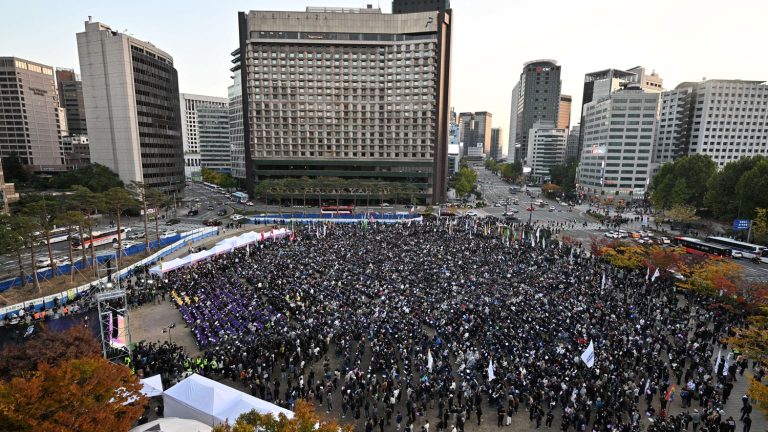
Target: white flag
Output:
[
  {"x": 429, "y": 360},
  {"x": 491, "y": 376},
  {"x": 655, "y": 275},
  {"x": 602, "y": 286},
  {"x": 588, "y": 356},
  {"x": 647, "y": 274},
  {"x": 727, "y": 365},
  {"x": 717, "y": 363}
]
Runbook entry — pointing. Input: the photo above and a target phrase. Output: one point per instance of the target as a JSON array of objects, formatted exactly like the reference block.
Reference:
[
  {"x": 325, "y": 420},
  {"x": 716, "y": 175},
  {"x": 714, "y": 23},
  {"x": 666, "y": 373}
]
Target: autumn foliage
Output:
[
  {"x": 58, "y": 381},
  {"x": 753, "y": 341},
  {"x": 624, "y": 256},
  {"x": 305, "y": 418}
]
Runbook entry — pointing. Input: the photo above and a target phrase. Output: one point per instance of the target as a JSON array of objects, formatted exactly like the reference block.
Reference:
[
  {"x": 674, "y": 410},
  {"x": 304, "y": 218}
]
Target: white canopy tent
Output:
[
  {"x": 212, "y": 403},
  {"x": 224, "y": 246},
  {"x": 172, "y": 424},
  {"x": 153, "y": 386}
]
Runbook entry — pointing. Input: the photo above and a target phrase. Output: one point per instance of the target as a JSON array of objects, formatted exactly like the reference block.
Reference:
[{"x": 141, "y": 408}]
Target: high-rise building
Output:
[
  {"x": 564, "y": 112},
  {"x": 539, "y": 100},
  {"x": 30, "y": 126},
  {"x": 511, "y": 153},
  {"x": 718, "y": 118},
  {"x": 131, "y": 95},
  {"x": 572, "y": 145},
  {"x": 213, "y": 127},
  {"x": 190, "y": 131},
  {"x": 497, "y": 150},
  {"x": 350, "y": 93},
  {"x": 8, "y": 193},
  {"x": 77, "y": 152},
  {"x": 546, "y": 148},
  {"x": 618, "y": 136},
  {"x": 601, "y": 84},
  {"x": 71, "y": 99},
  {"x": 476, "y": 132},
  {"x": 236, "y": 147}
]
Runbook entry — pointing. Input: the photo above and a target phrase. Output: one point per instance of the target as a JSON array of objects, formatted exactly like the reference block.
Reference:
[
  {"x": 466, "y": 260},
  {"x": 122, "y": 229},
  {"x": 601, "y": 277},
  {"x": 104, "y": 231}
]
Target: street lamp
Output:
[{"x": 168, "y": 330}]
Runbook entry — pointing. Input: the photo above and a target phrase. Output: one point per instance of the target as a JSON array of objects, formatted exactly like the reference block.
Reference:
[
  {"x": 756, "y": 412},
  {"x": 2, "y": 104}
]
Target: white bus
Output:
[
  {"x": 99, "y": 238},
  {"x": 57, "y": 235},
  {"x": 749, "y": 250}
]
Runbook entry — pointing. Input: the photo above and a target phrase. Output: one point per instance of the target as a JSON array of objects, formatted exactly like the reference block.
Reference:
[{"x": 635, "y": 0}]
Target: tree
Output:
[
  {"x": 27, "y": 229},
  {"x": 721, "y": 195},
  {"x": 753, "y": 341},
  {"x": 156, "y": 200},
  {"x": 664, "y": 259},
  {"x": 564, "y": 175},
  {"x": 551, "y": 190},
  {"x": 512, "y": 170},
  {"x": 760, "y": 225},
  {"x": 464, "y": 181},
  {"x": 11, "y": 242},
  {"x": 88, "y": 203},
  {"x": 87, "y": 395},
  {"x": 70, "y": 219},
  {"x": 752, "y": 189},
  {"x": 711, "y": 276},
  {"x": 625, "y": 256},
  {"x": 48, "y": 347},
  {"x": 304, "y": 419},
  {"x": 96, "y": 177},
  {"x": 44, "y": 212},
  {"x": 682, "y": 214},
  {"x": 694, "y": 171},
  {"x": 118, "y": 200},
  {"x": 14, "y": 170}
]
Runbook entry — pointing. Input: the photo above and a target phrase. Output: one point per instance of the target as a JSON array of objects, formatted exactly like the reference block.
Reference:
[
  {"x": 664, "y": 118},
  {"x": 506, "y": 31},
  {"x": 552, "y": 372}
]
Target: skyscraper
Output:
[
  {"x": 71, "y": 99},
  {"x": 724, "y": 119},
  {"x": 511, "y": 153},
  {"x": 546, "y": 148},
  {"x": 539, "y": 100},
  {"x": 572, "y": 145},
  {"x": 618, "y": 136},
  {"x": 497, "y": 151},
  {"x": 564, "y": 112},
  {"x": 213, "y": 126},
  {"x": 353, "y": 93},
  {"x": 190, "y": 131},
  {"x": 131, "y": 95},
  {"x": 476, "y": 131},
  {"x": 29, "y": 115},
  {"x": 236, "y": 147}
]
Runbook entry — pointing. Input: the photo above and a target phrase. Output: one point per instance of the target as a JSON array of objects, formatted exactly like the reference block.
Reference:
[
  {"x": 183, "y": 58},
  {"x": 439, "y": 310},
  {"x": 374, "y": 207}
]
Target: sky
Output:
[{"x": 682, "y": 40}]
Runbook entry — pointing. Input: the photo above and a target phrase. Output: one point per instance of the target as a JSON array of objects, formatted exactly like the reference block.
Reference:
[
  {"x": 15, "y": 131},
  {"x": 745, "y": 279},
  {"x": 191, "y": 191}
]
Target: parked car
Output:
[
  {"x": 385, "y": 205},
  {"x": 551, "y": 208},
  {"x": 173, "y": 221},
  {"x": 472, "y": 213},
  {"x": 221, "y": 212},
  {"x": 237, "y": 217},
  {"x": 193, "y": 212},
  {"x": 210, "y": 207},
  {"x": 136, "y": 235},
  {"x": 126, "y": 244},
  {"x": 211, "y": 222},
  {"x": 249, "y": 203},
  {"x": 168, "y": 233},
  {"x": 737, "y": 254}
]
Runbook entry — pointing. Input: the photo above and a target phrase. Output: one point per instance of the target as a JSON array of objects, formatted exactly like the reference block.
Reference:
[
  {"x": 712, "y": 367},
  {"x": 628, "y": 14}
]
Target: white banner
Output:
[{"x": 588, "y": 356}]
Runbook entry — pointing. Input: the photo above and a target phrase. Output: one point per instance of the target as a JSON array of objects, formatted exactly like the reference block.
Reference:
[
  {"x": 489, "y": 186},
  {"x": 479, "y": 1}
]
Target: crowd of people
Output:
[{"x": 450, "y": 324}]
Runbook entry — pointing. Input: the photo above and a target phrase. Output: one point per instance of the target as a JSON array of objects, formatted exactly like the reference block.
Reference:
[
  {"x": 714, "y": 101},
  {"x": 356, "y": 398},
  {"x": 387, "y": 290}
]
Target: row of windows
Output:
[{"x": 344, "y": 154}]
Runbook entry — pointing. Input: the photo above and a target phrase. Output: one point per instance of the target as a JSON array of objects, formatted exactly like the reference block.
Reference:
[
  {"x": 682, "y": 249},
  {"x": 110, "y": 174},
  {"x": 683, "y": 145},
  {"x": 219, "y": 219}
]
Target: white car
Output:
[
  {"x": 126, "y": 244},
  {"x": 237, "y": 217},
  {"x": 736, "y": 254},
  {"x": 472, "y": 213},
  {"x": 385, "y": 205},
  {"x": 249, "y": 203},
  {"x": 168, "y": 233}
]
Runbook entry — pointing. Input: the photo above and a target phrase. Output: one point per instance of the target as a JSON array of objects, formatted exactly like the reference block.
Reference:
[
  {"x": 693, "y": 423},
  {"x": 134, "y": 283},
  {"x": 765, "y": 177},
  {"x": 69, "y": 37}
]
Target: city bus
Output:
[
  {"x": 749, "y": 250},
  {"x": 344, "y": 210},
  {"x": 240, "y": 197},
  {"x": 99, "y": 238},
  {"x": 699, "y": 247},
  {"x": 57, "y": 235}
]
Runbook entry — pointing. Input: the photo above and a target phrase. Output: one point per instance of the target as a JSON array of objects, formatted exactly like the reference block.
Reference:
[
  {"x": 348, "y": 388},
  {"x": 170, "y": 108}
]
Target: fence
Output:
[
  {"x": 310, "y": 218},
  {"x": 64, "y": 296}
]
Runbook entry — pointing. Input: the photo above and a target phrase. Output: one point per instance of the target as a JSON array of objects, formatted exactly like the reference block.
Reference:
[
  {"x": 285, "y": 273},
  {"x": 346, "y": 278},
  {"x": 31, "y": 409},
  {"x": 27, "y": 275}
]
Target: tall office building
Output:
[
  {"x": 546, "y": 148},
  {"x": 497, "y": 151},
  {"x": 511, "y": 153},
  {"x": 213, "y": 127},
  {"x": 131, "y": 95},
  {"x": 71, "y": 99},
  {"x": 572, "y": 145},
  {"x": 30, "y": 122},
  {"x": 190, "y": 131},
  {"x": 236, "y": 146},
  {"x": 601, "y": 84},
  {"x": 8, "y": 193},
  {"x": 476, "y": 132},
  {"x": 539, "y": 100},
  {"x": 350, "y": 93},
  {"x": 618, "y": 136},
  {"x": 724, "y": 119},
  {"x": 564, "y": 112}
]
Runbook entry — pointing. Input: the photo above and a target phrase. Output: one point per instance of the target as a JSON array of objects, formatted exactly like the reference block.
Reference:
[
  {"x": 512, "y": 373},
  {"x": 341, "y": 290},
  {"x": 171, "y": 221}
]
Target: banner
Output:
[
  {"x": 491, "y": 376},
  {"x": 588, "y": 356},
  {"x": 429, "y": 360}
]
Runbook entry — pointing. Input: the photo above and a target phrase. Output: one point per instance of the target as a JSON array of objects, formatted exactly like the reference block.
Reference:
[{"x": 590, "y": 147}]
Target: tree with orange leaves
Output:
[
  {"x": 753, "y": 342},
  {"x": 598, "y": 245},
  {"x": 305, "y": 418},
  {"x": 711, "y": 276},
  {"x": 85, "y": 395},
  {"x": 664, "y": 259},
  {"x": 624, "y": 256}
]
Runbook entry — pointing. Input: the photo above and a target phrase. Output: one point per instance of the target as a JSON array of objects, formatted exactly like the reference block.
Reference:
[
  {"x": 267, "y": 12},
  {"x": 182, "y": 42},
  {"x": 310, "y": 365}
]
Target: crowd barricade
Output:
[
  {"x": 174, "y": 243},
  {"x": 313, "y": 218}
]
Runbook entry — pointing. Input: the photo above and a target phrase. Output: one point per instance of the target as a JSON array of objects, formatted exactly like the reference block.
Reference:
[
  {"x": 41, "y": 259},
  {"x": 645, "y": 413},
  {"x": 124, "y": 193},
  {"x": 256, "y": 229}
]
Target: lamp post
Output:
[{"x": 168, "y": 330}]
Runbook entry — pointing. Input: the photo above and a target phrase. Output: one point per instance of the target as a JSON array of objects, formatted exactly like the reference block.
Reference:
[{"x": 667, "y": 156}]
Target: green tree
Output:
[
  {"x": 760, "y": 225},
  {"x": 682, "y": 214},
  {"x": 27, "y": 229},
  {"x": 11, "y": 242},
  {"x": 721, "y": 195},
  {"x": 118, "y": 200},
  {"x": 44, "y": 212},
  {"x": 752, "y": 189},
  {"x": 89, "y": 203},
  {"x": 694, "y": 170},
  {"x": 564, "y": 175},
  {"x": 70, "y": 219},
  {"x": 14, "y": 170},
  {"x": 464, "y": 181},
  {"x": 95, "y": 177}
]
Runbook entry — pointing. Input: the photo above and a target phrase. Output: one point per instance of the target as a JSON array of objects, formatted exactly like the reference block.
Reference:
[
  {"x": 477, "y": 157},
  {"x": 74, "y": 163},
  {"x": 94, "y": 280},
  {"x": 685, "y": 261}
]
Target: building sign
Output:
[
  {"x": 599, "y": 149},
  {"x": 740, "y": 224}
]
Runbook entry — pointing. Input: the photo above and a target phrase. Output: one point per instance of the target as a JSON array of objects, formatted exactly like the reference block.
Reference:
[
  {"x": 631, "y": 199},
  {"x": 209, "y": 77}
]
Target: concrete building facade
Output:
[
  {"x": 70, "y": 90},
  {"x": 539, "y": 100},
  {"x": 476, "y": 131},
  {"x": 8, "y": 193},
  {"x": 512, "y": 141},
  {"x": 190, "y": 130},
  {"x": 497, "y": 150},
  {"x": 350, "y": 93},
  {"x": 724, "y": 119},
  {"x": 572, "y": 145},
  {"x": 564, "y": 112},
  {"x": 30, "y": 121},
  {"x": 131, "y": 95},
  {"x": 213, "y": 129},
  {"x": 546, "y": 148},
  {"x": 617, "y": 158},
  {"x": 236, "y": 146}
]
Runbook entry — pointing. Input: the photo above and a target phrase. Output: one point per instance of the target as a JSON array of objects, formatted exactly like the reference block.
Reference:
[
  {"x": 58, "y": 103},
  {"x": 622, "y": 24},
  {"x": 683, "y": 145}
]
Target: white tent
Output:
[
  {"x": 211, "y": 402},
  {"x": 153, "y": 386},
  {"x": 172, "y": 425}
]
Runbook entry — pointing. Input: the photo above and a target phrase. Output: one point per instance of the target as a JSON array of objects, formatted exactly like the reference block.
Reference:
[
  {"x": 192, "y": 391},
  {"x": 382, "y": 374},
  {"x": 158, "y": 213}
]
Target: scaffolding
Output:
[{"x": 112, "y": 303}]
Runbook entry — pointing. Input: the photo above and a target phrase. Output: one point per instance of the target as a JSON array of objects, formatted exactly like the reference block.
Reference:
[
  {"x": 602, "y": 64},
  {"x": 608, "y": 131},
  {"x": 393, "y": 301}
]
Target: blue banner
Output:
[{"x": 740, "y": 224}]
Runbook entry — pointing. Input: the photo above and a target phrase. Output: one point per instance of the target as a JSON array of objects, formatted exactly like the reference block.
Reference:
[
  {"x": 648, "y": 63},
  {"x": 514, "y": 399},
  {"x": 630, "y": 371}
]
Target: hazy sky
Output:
[{"x": 683, "y": 40}]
